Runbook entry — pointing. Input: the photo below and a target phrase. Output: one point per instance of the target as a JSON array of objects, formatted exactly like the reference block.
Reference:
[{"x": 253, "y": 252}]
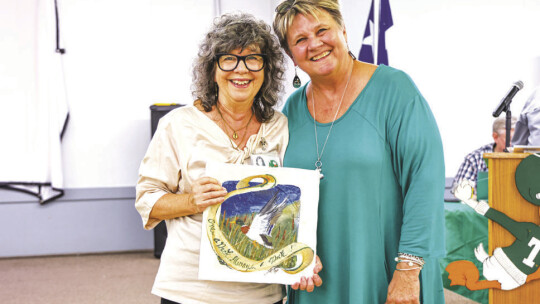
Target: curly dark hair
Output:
[{"x": 230, "y": 32}]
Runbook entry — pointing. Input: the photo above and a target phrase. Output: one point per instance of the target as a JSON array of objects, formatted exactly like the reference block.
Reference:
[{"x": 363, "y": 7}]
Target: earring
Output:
[
  {"x": 296, "y": 83},
  {"x": 216, "y": 87},
  {"x": 352, "y": 55}
]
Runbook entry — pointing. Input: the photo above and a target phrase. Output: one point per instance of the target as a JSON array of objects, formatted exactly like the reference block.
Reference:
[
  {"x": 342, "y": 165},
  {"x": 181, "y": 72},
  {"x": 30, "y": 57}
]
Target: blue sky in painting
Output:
[{"x": 254, "y": 201}]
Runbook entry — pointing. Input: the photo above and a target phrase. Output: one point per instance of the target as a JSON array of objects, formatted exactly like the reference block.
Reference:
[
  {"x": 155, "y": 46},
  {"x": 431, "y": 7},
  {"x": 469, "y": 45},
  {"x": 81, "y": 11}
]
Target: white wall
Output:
[
  {"x": 122, "y": 56},
  {"x": 464, "y": 56}
]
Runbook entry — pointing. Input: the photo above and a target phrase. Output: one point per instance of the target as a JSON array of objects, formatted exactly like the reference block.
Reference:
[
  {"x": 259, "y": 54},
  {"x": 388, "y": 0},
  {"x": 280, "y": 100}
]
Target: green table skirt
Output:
[{"x": 465, "y": 229}]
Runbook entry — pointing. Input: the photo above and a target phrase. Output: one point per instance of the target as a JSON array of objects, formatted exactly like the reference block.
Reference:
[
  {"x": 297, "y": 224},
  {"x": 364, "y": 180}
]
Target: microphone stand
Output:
[
  {"x": 504, "y": 106},
  {"x": 508, "y": 126}
]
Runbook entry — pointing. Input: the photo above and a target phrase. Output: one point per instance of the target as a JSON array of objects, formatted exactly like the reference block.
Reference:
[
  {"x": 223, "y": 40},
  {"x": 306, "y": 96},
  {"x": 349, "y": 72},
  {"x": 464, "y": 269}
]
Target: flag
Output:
[
  {"x": 385, "y": 22},
  {"x": 366, "y": 50},
  {"x": 376, "y": 40}
]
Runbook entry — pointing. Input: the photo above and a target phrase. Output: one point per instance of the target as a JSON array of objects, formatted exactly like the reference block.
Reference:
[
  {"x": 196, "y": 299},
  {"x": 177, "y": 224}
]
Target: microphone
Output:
[{"x": 505, "y": 102}]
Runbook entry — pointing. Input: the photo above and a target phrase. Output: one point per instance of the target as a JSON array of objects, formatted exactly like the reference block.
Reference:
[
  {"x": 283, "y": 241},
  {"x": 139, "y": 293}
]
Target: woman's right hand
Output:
[{"x": 205, "y": 192}]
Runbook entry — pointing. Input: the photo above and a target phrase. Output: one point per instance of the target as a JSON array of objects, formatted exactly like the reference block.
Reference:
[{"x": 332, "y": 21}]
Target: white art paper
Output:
[{"x": 266, "y": 229}]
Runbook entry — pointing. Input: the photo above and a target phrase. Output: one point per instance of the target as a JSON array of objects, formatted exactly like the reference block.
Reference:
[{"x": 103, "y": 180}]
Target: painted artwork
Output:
[
  {"x": 517, "y": 264},
  {"x": 265, "y": 230}
]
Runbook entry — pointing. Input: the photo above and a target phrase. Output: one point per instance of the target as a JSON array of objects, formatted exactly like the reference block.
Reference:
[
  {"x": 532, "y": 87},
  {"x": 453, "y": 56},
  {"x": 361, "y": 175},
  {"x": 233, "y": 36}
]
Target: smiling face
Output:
[
  {"x": 239, "y": 85},
  {"x": 317, "y": 45}
]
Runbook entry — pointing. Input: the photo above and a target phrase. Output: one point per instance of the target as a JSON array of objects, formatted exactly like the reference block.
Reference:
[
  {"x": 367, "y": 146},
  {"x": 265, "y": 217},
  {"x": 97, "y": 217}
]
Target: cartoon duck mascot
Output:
[{"x": 517, "y": 264}]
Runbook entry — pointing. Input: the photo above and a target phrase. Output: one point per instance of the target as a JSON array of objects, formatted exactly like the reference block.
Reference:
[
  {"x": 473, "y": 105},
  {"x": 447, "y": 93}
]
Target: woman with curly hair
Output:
[{"x": 237, "y": 79}]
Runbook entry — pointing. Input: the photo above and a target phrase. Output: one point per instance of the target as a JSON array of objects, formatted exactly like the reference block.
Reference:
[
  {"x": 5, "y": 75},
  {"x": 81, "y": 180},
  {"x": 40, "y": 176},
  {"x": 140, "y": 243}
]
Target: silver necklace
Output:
[{"x": 318, "y": 162}]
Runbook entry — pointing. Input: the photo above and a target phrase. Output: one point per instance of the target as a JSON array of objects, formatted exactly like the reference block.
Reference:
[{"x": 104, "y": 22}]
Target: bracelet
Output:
[
  {"x": 405, "y": 269},
  {"x": 409, "y": 262},
  {"x": 407, "y": 256},
  {"x": 410, "y": 259}
]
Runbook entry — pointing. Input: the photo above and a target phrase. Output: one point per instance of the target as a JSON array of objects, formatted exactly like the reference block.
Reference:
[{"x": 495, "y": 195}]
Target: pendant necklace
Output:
[
  {"x": 235, "y": 132},
  {"x": 318, "y": 163}
]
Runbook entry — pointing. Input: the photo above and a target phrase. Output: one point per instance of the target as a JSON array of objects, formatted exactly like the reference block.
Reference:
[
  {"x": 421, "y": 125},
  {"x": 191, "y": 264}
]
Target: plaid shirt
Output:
[{"x": 473, "y": 163}]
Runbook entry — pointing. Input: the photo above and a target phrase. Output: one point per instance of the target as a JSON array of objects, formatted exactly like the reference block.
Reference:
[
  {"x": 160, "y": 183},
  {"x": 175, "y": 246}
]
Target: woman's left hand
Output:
[
  {"x": 308, "y": 284},
  {"x": 404, "y": 287}
]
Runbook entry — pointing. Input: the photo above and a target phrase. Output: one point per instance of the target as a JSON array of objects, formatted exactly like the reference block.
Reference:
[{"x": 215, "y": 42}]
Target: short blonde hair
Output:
[{"x": 288, "y": 9}]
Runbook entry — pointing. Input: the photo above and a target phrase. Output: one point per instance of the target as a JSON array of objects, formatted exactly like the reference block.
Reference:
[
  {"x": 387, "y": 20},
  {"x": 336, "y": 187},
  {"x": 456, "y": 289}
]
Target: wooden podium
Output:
[{"x": 504, "y": 196}]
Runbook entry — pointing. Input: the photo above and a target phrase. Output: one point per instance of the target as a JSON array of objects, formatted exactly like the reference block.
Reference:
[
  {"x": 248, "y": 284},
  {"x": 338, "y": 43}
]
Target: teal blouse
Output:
[{"x": 382, "y": 191}]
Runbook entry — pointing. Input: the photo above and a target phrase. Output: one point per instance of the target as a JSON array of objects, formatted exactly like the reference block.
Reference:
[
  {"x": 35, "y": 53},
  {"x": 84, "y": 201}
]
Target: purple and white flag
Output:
[{"x": 375, "y": 39}]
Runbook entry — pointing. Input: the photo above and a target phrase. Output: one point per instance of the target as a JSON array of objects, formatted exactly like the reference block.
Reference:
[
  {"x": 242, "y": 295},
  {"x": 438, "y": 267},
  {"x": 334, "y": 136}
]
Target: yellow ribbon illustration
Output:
[{"x": 236, "y": 260}]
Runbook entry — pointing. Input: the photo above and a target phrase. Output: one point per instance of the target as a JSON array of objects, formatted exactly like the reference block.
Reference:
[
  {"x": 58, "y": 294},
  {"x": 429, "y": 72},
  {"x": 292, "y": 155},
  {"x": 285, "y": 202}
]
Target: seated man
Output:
[
  {"x": 474, "y": 161},
  {"x": 527, "y": 130}
]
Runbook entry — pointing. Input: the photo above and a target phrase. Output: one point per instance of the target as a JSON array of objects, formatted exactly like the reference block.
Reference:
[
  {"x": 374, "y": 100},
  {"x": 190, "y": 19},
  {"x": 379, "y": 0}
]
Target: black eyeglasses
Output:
[
  {"x": 285, "y": 6},
  {"x": 229, "y": 62}
]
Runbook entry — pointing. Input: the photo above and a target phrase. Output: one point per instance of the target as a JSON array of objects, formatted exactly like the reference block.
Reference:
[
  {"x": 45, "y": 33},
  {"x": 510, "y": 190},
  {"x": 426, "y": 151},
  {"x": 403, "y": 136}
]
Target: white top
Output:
[{"x": 184, "y": 141}]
